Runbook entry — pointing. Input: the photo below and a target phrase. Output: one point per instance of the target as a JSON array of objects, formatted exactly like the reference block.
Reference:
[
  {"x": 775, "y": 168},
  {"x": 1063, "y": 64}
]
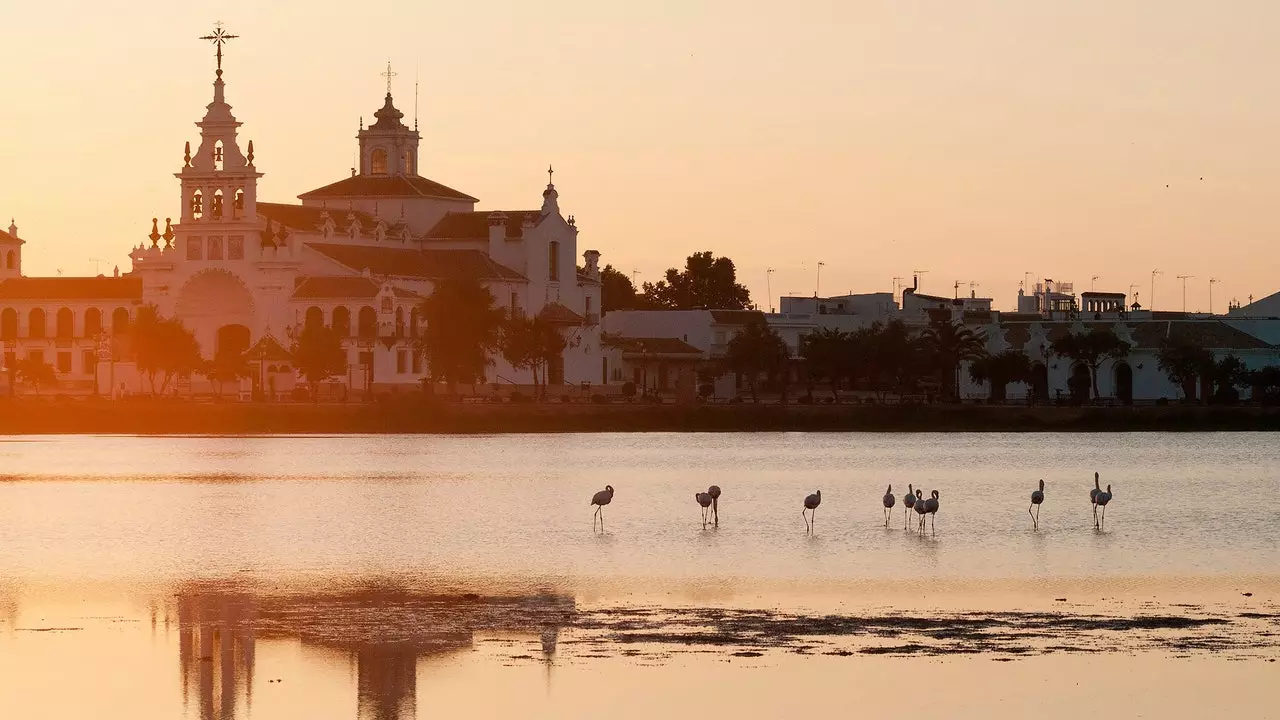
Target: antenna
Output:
[
  {"x": 634, "y": 275},
  {"x": 1152, "y": 297},
  {"x": 817, "y": 283},
  {"x": 415, "y": 97},
  {"x": 918, "y": 273},
  {"x": 1212, "y": 282},
  {"x": 1026, "y": 284},
  {"x": 768, "y": 286},
  {"x": 1132, "y": 288},
  {"x": 973, "y": 289},
  {"x": 95, "y": 262},
  {"x": 1093, "y": 284},
  {"x": 955, "y": 287},
  {"x": 1184, "y": 279}
]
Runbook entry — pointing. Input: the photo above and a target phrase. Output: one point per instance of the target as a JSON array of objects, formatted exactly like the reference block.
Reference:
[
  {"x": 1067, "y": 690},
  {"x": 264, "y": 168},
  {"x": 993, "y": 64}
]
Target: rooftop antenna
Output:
[
  {"x": 918, "y": 273},
  {"x": 1026, "y": 284},
  {"x": 1184, "y": 278},
  {"x": 1093, "y": 284},
  {"x": 973, "y": 293},
  {"x": 768, "y": 286},
  {"x": 634, "y": 274},
  {"x": 1152, "y": 297},
  {"x": 817, "y": 283},
  {"x": 95, "y": 262},
  {"x": 415, "y": 97},
  {"x": 1132, "y": 290},
  {"x": 955, "y": 287},
  {"x": 1212, "y": 282}
]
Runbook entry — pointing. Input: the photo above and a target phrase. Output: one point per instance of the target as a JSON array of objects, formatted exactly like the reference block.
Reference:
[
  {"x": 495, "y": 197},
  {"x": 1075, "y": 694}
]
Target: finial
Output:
[
  {"x": 219, "y": 37},
  {"x": 388, "y": 75},
  {"x": 13, "y": 228},
  {"x": 250, "y": 155},
  {"x": 168, "y": 232},
  {"x": 155, "y": 232},
  {"x": 550, "y": 175},
  {"x": 186, "y": 155},
  {"x": 362, "y": 122}
]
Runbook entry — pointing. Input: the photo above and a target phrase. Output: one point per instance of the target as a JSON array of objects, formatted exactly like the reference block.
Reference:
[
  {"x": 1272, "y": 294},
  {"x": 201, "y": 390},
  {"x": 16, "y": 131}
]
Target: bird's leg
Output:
[
  {"x": 1103, "y": 523},
  {"x": 806, "y": 520},
  {"x": 1033, "y": 517}
]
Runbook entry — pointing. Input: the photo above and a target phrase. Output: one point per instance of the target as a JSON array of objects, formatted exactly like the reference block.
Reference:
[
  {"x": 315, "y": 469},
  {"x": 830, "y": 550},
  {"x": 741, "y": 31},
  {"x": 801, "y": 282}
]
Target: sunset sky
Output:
[{"x": 975, "y": 139}]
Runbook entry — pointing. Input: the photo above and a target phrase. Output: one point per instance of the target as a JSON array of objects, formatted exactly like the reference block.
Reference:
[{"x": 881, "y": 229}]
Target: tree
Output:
[
  {"x": 318, "y": 355},
  {"x": 226, "y": 367},
  {"x": 1266, "y": 384},
  {"x": 1185, "y": 364},
  {"x": 460, "y": 332},
  {"x": 757, "y": 350},
  {"x": 35, "y": 373},
  {"x": 1091, "y": 349},
  {"x": 1229, "y": 374},
  {"x": 532, "y": 344},
  {"x": 893, "y": 358},
  {"x": 947, "y": 344},
  {"x": 827, "y": 353},
  {"x": 164, "y": 348},
  {"x": 706, "y": 282},
  {"x": 617, "y": 292},
  {"x": 1001, "y": 369}
]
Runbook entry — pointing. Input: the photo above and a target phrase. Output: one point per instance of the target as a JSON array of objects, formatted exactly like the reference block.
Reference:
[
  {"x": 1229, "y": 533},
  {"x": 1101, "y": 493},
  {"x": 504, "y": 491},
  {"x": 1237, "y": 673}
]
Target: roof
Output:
[
  {"x": 342, "y": 287},
  {"x": 1151, "y": 335},
  {"x": 310, "y": 219},
  {"x": 407, "y": 262},
  {"x": 651, "y": 346},
  {"x": 736, "y": 317},
  {"x": 557, "y": 313},
  {"x": 72, "y": 288},
  {"x": 1093, "y": 293},
  {"x": 399, "y": 186},
  {"x": 475, "y": 225},
  {"x": 11, "y": 238},
  {"x": 269, "y": 349}
]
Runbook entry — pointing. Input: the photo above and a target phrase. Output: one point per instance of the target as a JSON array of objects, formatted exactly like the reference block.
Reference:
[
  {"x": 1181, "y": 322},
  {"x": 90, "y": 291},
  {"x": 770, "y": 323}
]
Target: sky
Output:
[{"x": 977, "y": 140}]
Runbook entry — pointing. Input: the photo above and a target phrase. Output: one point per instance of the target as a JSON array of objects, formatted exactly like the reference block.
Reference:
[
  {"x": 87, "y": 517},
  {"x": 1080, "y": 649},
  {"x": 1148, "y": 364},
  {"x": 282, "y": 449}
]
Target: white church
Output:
[{"x": 358, "y": 255}]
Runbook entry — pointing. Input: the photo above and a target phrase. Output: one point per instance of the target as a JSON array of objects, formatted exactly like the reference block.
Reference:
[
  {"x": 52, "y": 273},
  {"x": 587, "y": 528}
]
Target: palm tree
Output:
[
  {"x": 1001, "y": 369},
  {"x": 949, "y": 344}
]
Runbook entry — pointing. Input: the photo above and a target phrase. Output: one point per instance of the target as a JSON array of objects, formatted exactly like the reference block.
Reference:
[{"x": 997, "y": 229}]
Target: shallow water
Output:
[{"x": 400, "y": 577}]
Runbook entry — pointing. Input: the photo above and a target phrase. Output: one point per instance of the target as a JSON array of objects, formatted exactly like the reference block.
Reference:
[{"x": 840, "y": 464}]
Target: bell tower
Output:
[
  {"x": 11, "y": 252},
  {"x": 388, "y": 146},
  {"x": 219, "y": 182}
]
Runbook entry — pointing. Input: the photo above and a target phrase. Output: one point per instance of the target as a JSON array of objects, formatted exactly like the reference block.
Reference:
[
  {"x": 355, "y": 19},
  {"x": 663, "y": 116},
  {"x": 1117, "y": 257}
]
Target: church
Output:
[{"x": 358, "y": 255}]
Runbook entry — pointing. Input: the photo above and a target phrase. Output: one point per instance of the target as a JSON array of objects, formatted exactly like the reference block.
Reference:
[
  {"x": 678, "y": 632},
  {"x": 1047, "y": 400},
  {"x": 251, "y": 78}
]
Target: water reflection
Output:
[{"x": 382, "y": 630}]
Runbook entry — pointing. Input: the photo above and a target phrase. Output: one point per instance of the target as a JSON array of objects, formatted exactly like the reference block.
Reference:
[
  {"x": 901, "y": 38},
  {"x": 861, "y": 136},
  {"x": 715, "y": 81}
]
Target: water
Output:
[{"x": 393, "y": 577}]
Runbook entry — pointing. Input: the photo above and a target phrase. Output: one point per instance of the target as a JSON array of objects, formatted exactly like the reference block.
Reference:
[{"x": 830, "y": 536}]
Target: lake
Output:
[{"x": 403, "y": 576}]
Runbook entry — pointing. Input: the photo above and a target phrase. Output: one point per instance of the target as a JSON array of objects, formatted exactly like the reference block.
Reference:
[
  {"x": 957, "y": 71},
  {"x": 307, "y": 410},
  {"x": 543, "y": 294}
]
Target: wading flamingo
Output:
[
  {"x": 888, "y": 505},
  {"x": 811, "y": 504},
  {"x": 931, "y": 507},
  {"x": 1037, "y": 497},
  {"x": 714, "y": 492},
  {"x": 920, "y": 510},
  {"x": 1093, "y": 498},
  {"x": 704, "y": 499},
  {"x": 1104, "y": 497},
  {"x": 600, "y": 499},
  {"x": 908, "y": 502}
]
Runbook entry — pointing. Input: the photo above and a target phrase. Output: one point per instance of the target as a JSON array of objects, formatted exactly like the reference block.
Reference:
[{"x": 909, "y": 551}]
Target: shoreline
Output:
[{"x": 417, "y": 415}]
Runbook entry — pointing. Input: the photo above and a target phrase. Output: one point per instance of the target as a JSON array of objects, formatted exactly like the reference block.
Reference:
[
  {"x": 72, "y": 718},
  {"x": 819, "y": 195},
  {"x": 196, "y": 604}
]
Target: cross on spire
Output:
[
  {"x": 219, "y": 37},
  {"x": 388, "y": 75},
  {"x": 550, "y": 175}
]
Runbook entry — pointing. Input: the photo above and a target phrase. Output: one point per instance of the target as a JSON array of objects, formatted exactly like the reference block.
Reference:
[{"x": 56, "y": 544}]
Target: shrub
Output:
[
  {"x": 517, "y": 397},
  {"x": 706, "y": 389},
  {"x": 599, "y": 399},
  {"x": 628, "y": 390}
]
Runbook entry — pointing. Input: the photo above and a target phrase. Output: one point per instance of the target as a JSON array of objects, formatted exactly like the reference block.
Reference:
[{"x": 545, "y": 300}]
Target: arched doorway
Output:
[
  {"x": 1124, "y": 383},
  {"x": 1040, "y": 383},
  {"x": 1079, "y": 385},
  {"x": 232, "y": 340},
  {"x": 315, "y": 317},
  {"x": 213, "y": 299}
]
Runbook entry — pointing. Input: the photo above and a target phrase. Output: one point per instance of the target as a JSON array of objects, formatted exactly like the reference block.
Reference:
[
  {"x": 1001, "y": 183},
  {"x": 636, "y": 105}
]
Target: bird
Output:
[
  {"x": 920, "y": 509},
  {"x": 908, "y": 502},
  {"x": 704, "y": 499},
  {"x": 931, "y": 507},
  {"x": 811, "y": 504},
  {"x": 600, "y": 499},
  {"x": 1093, "y": 498},
  {"x": 714, "y": 492},
  {"x": 888, "y": 504},
  {"x": 1104, "y": 497},
  {"x": 1037, "y": 497}
]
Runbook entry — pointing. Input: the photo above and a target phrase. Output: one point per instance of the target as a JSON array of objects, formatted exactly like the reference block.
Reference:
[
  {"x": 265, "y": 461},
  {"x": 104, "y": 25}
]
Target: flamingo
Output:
[
  {"x": 1104, "y": 497},
  {"x": 931, "y": 507},
  {"x": 704, "y": 499},
  {"x": 920, "y": 508},
  {"x": 714, "y": 492},
  {"x": 600, "y": 499},
  {"x": 908, "y": 502},
  {"x": 1093, "y": 498},
  {"x": 811, "y": 504},
  {"x": 1037, "y": 497},
  {"x": 888, "y": 505}
]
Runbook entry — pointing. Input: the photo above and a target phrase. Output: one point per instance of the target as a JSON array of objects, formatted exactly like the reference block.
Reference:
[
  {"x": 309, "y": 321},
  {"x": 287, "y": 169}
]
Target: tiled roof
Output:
[
  {"x": 71, "y": 288},
  {"x": 475, "y": 225},
  {"x": 343, "y": 287},
  {"x": 736, "y": 317},
  {"x": 405, "y": 262},
  {"x": 651, "y": 346},
  {"x": 308, "y": 219},
  {"x": 269, "y": 349},
  {"x": 557, "y": 313},
  {"x": 6, "y": 236},
  {"x": 399, "y": 186},
  {"x": 1212, "y": 334}
]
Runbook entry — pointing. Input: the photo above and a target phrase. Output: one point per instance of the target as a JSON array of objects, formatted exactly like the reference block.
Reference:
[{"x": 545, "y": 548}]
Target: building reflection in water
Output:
[{"x": 385, "y": 631}]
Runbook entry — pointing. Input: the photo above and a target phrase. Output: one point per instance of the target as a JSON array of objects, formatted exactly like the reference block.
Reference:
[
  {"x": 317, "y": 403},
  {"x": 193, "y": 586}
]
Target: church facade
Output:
[{"x": 358, "y": 255}]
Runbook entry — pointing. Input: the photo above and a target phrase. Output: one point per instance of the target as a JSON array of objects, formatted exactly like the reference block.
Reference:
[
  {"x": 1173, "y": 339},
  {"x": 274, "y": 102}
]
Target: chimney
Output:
[{"x": 497, "y": 235}]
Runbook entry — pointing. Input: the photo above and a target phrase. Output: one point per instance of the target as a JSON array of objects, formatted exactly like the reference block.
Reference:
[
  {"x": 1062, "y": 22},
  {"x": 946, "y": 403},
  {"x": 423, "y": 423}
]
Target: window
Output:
[
  {"x": 378, "y": 162},
  {"x": 413, "y": 324},
  {"x": 408, "y": 162},
  {"x": 35, "y": 324},
  {"x": 417, "y": 363},
  {"x": 342, "y": 321},
  {"x": 402, "y": 361},
  {"x": 120, "y": 320},
  {"x": 92, "y": 322},
  {"x": 8, "y": 261},
  {"x": 719, "y": 337},
  {"x": 90, "y": 362},
  {"x": 10, "y": 359},
  {"x": 235, "y": 247},
  {"x": 588, "y": 306},
  {"x": 9, "y": 324},
  {"x": 216, "y": 209},
  {"x": 368, "y": 322},
  {"x": 197, "y": 205},
  {"x": 217, "y": 155},
  {"x": 64, "y": 362},
  {"x": 65, "y": 321},
  {"x": 400, "y": 322},
  {"x": 36, "y": 356},
  {"x": 553, "y": 261},
  {"x": 215, "y": 247},
  {"x": 386, "y": 304},
  {"x": 194, "y": 248}
]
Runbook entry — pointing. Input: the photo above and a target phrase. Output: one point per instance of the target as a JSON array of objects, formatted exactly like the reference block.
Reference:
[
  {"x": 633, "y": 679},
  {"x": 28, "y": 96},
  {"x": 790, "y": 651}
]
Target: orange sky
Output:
[{"x": 977, "y": 140}]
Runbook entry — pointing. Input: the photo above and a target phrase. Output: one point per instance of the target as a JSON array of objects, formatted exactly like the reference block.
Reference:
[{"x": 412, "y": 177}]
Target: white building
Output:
[{"x": 358, "y": 254}]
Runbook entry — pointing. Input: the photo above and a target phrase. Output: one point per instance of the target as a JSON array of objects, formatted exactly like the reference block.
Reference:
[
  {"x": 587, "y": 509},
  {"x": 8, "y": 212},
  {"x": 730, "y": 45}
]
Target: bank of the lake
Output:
[{"x": 152, "y": 417}]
